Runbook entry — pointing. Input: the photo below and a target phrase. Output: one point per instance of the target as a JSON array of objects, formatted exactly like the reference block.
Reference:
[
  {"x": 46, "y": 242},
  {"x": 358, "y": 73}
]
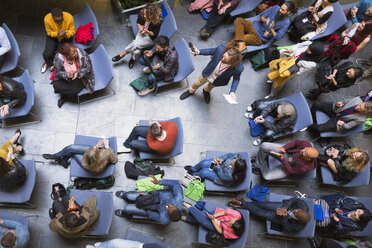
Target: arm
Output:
[
  {"x": 70, "y": 25},
  {"x": 48, "y": 28},
  {"x": 293, "y": 144},
  {"x": 294, "y": 201},
  {"x": 176, "y": 190},
  {"x": 324, "y": 18},
  {"x": 363, "y": 43},
  {"x": 86, "y": 67},
  {"x": 159, "y": 217},
  {"x": 350, "y": 124},
  {"x": 207, "y": 51},
  {"x": 171, "y": 62},
  {"x": 224, "y": 173},
  {"x": 236, "y": 80},
  {"x": 280, "y": 31},
  {"x": 269, "y": 108},
  {"x": 4, "y": 41},
  {"x": 215, "y": 223}
]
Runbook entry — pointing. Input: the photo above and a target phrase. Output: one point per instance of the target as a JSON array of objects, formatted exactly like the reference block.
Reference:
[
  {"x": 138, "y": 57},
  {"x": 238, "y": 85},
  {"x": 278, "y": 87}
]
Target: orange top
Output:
[{"x": 166, "y": 146}]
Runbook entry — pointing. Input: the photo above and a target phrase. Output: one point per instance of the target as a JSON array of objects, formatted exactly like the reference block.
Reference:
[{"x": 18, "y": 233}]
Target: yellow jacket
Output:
[{"x": 67, "y": 25}]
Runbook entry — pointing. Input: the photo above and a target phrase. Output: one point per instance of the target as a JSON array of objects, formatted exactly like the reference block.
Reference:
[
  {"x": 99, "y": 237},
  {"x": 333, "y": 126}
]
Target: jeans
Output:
[
  {"x": 138, "y": 145},
  {"x": 327, "y": 108},
  {"x": 198, "y": 217},
  {"x": 265, "y": 210},
  {"x": 215, "y": 19},
  {"x": 202, "y": 170},
  {"x": 150, "y": 78},
  {"x": 75, "y": 151},
  {"x": 131, "y": 209},
  {"x": 52, "y": 45}
]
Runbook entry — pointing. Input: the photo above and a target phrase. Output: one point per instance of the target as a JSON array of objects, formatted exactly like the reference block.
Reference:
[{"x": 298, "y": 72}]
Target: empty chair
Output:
[
  {"x": 83, "y": 18},
  {"x": 77, "y": 171},
  {"x": 245, "y": 6},
  {"x": 132, "y": 234},
  {"x": 12, "y": 57},
  {"x": 323, "y": 118},
  {"x": 21, "y": 195}
]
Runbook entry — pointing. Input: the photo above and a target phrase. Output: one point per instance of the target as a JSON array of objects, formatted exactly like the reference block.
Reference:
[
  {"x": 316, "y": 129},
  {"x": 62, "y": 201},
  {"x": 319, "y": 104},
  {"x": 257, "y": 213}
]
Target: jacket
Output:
[
  {"x": 15, "y": 176},
  {"x": 14, "y": 91},
  {"x": 105, "y": 157},
  {"x": 52, "y": 27},
  {"x": 224, "y": 78},
  {"x": 350, "y": 120},
  {"x": 224, "y": 171},
  {"x": 170, "y": 66},
  {"x": 152, "y": 27},
  {"x": 362, "y": 6},
  {"x": 291, "y": 224},
  {"x": 21, "y": 230},
  {"x": 284, "y": 124}
]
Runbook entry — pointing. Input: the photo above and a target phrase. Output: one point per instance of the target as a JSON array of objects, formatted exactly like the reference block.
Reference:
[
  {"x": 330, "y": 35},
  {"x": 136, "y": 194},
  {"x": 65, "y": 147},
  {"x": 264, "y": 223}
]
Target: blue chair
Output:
[
  {"x": 9, "y": 216},
  {"x": 21, "y": 195},
  {"x": 367, "y": 202},
  {"x": 105, "y": 204},
  {"x": 132, "y": 234},
  {"x": 178, "y": 146},
  {"x": 238, "y": 243},
  {"x": 185, "y": 64},
  {"x": 83, "y": 18},
  {"x": 103, "y": 73},
  {"x": 323, "y": 118},
  {"x": 307, "y": 232},
  {"x": 12, "y": 57},
  {"x": 245, "y": 185},
  {"x": 24, "y": 109},
  {"x": 77, "y": 171},
  {"x": 168, "y": 27},
  {"x": 245, "y": 6},
  {"x": 345, "y": 7}
]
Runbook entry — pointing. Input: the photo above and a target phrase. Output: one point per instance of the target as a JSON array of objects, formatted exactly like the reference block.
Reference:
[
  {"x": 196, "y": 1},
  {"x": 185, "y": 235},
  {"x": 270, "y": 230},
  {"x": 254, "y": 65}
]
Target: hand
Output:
[
  {"x": 339, "y": 104},
  {"x": 335, "y": 218},
  {"x": 74, "y": 76},
  {"x": 281, "y": 156},
  {"x": 148, "y": 53},
  {"x": 60, "y": 33},
  {"x": 259, "y": 119},
  {"x": 272, "y": 25},
  {"x": 70, "y": 75},
  {"x": 339, "y": 211},
  {"x": 354, "y": 11},
  {"x": 99, "y": 144},
  {"x": 10, "y": 152},
  {"x": 233, "y": 96},
  {"x": 196, "y": 51},
  {"x": 222, "y": 11},
  {"x": 217, "y": 161},
  {"x": 334, "y": 152},
  {"x": 340, "y": 123},
  {"x": 219, "y": 4},
  {"x": 4, "y": 110},
  {"x": 330, "y": 77},
  {"x": 281, "y": 149},
  {"x": 154, "y": 180},
  {"x": 1, "y": 221},
  {"x": 281, "y": 211},
  {"x": 210, "y": 216},
  {"x": 106, "y": 143},
  {"x": 267, "y": 21},
  {"x": 71, "y": 203},
  {"x": 157, "y": 66},
  {"x": 311, "y": 9},
  {"x": 346, "y": 41}
]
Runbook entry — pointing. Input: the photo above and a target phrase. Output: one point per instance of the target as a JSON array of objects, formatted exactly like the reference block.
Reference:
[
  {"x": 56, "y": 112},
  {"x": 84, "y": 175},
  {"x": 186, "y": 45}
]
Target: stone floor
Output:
[{"x": 217, "y": 126}]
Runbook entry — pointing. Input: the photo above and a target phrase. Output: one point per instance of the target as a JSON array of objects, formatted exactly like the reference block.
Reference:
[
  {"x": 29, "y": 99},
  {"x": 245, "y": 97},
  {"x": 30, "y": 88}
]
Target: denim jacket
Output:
[{"x": 224, "y": 171}]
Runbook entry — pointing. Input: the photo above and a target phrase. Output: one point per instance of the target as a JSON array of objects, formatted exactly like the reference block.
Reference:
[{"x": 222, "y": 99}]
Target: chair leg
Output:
[{"x": 30, "y": 118}]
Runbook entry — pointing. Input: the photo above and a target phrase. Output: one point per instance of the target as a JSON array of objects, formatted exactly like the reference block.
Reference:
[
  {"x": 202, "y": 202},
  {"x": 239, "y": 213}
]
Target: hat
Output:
[{"x": 286, "y": 110}]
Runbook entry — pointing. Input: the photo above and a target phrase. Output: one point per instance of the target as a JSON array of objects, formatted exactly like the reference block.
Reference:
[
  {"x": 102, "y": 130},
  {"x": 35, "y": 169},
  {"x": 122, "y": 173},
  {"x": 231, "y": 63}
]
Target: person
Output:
[
  {"x": 73, "y": 72},
  {"x": 93, "y": 159},
  {"x": 72, "y": 220},
  {"x": 227, "y": 222},
  {"x": 228, "y": 170},
  {"x": 296, "y": 157},
  {"x": 60, "y": 28},
  {"x": 121, "y": 243},
  {"x": 13, "y": 234},
  {"x": 168, "y": 206},
  {"x": 272, "y": 25},
  {"x": 331, "y": 79},
  {"x": 4, "y": 150},
  {"x": 160, "y": 138},
  {"x": 148, "y": 24},
  {"x": 312, "y": 22},
  {"x": 12, "y": 94},
  {"x": 343, "y": 115},
  {"x": 285, "y": 118},
  {"x": 301, "y": 58},
  {"x": 221, "y": 8},
  {"x": 344, "y": 162},
  {"x": 345, "y": 215},
  {"x": 360, "y": 11},
  {"x": 165, "y": 57},
  {"x": 5, "y": 46},
  {"x": 368, "y": 64},
  {"x": 290, "y": 215},
  {"x": 225, "y": 64}
]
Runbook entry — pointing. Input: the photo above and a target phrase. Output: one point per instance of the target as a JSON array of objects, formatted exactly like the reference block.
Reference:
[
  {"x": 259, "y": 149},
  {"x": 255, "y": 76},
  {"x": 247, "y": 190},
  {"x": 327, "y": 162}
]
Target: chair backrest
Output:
[
  {"x": 245, "y": 6},
  {"x": 169, "y": 25},
  {"x": 102, "y": 68},
  {"x": 84, "y": 17},
  {"x": 185, "y": 60},
  {"x": 12, "y": 57}
]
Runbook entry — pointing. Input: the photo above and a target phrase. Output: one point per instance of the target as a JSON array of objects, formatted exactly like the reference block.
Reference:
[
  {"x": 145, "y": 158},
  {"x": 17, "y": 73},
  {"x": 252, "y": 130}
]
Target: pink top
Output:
[
  {"x": 225, "y": 221},
  {"x": 70, "y": 68}
]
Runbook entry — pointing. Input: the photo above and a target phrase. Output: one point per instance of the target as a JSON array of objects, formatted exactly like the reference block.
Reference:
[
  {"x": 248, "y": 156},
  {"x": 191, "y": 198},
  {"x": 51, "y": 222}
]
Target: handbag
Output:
[
  {"x": 58, "y": 191},
  {"x": 187, "y": 178}
]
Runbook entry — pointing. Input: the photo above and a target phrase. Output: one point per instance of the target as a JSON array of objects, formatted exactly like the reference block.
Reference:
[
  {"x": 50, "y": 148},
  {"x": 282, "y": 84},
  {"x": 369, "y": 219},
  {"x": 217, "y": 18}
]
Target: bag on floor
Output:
[
  {"x": 105, "y": 183},
  {"x": 139, "y": 83},
  {"x": 58, "y": 191},
  {"x": 187, "y": 178},
  {"x": 195, "y": 190},
  {"x": 84, "y": 33},
  {"x": 368, "y": 124},
  {"x": 84, "y": 183},
  {"x": 215, "y": 238}
]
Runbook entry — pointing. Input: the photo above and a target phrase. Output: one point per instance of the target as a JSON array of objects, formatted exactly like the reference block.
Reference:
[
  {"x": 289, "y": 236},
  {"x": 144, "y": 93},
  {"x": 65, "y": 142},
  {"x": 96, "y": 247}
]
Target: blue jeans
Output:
[
  {"x": 198, "y": 217},
  {"x": 150, "y": 79},
  {"x": 131, "y": 209},
  {"x": 202, "y": 170},
  {"x": 265, "y": 210},
  {"x": 138, "y": 145},
  {"x": 75, "y": 151}
]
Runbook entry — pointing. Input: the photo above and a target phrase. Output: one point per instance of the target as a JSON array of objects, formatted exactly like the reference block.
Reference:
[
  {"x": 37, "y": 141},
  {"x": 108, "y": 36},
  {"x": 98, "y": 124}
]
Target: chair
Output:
[
  {"x": 21, "y": 195},
  {"x": 168, "y": 27},
  {"x": 238, "y": 243},
  {"x": 367, "y": 232},
  {"x": 9, "y": 216},
  {"x": 210, "y": 187},
  {"x": 22, "y": 112},
  {"x": 12, "y": 57},
  {"x": 178, "y": 146},
  {"x": 103, "y": 73},
  {"x": 77, "y": 171},
  {"x": 245, "y": 6},
  {"x": 104, "y": 204},
  {"x": 83, "y": 18},
  {"x": 132, "y": 234},
  {"x": 323, "y": 118},
  {"x": 185, "y": 64},
  {"x": 345, "y": 7}
]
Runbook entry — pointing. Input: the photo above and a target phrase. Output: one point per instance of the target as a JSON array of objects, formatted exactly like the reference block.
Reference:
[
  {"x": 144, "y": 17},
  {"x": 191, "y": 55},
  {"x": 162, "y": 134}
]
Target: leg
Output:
[
  {"x": 70, "y": 150},
  {"x": 206, "y": 174},
  {"x": 276, "y": 173},
  {"x": 268, "y": 135},
  {"x": 245, "y": 32},
  {"x": 215, "y": 19},
  {"x": 265, "y": 210},
  {"x": 325, "y": 107},
  {"x": 198, "y": 217},
  {"x": 50, "y": 48},
  {"x": 78, "y": 158},
  {"x": 202, "y": 164},
  {"x": 152, "y": 80},
  {"x": 131, "y": 209},
  {"x": 140, "y": 145},
  {"x": 263, "y": 152},
  {"x": 131, "y": 196},
  {"x": 137, "y": 131},
  {"x": 199, "y": 82},
  {"x": 209, "y": 87}
]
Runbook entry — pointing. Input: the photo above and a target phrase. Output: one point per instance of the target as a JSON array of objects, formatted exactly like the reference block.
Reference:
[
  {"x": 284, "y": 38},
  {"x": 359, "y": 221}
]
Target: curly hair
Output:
[
  {"x": 153, "y": 12},
  {"x": 358, "y": 163},
  {"x": 65, "y": 48},
  {"x": 4, "y": 166},
  {"x": 235, "y": 56}
]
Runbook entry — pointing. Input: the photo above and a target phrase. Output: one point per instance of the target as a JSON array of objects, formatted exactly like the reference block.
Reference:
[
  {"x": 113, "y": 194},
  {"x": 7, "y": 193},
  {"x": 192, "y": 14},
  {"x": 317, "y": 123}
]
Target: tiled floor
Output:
[{"x": 217, "y": 126}]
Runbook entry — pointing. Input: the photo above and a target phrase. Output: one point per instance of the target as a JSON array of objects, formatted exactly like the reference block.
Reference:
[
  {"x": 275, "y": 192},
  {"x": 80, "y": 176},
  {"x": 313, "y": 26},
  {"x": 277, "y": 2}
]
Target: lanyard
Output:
[{"x": 219, "y": 68}]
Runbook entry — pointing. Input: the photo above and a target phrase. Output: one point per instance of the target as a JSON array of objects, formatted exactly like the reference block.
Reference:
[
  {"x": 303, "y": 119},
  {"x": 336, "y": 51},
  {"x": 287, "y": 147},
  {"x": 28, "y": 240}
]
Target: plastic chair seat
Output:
[
  {"x": 12, "y": 57},
  {"x": 245, "y": 6},
  {"x": 83, "y": 18},
  {"x": 9, "y": 216},
  {"x": 323, "y": 118}
]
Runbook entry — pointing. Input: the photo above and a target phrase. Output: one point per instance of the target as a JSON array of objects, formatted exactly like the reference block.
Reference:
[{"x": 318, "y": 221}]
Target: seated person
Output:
[
  {"x": 228, "y": 170},
  {"x": 311, "y": 22},
  {"x": 5, "y": 46},
  {"x": 201, "y": 5},
  {"x": 360, "y": 11},
  {"x": 13, "y": 234},
  {"x": 164, "y": 56},
  {"x": 72, "y": 220},
  {"x": 272, "y": 25},
  {"x": 13, "y": 141},
  {"x": 74, "y": 72},
  {"x": 123, "y": 243},
  {"x": 11, "y": 176},
  {"x": 342, "y": 115},
  {"x": 228, "y": 223},
  {"x": 163, "y": 206},
  {"x": 344, "y": 162},
  {"x": 297, "y": 158},
  {"x": 340, "y": 76},
  {"x": 285, "y": 118},
  {"x": 148, "y": 24},
  {"x": 93, "y": 159},
  {"x": 160, "y": 138},
  {"x": 290, "y": 215},
  {"x": 345, "y": 215},
  {"x": 12, "y": 94}
]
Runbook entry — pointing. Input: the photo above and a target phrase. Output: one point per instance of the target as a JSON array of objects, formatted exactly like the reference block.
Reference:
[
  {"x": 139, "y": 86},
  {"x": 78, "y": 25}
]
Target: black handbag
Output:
[
  {"x": 216, "y": 239},
  {"x": 58, "y": 191}
]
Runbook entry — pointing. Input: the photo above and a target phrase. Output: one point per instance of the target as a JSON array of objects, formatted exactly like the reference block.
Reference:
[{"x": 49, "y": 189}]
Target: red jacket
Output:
[{"x": 166, "y": 146}]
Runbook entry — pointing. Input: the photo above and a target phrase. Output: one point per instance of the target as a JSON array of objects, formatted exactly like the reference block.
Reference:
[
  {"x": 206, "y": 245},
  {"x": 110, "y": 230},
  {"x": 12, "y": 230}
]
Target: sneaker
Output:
[
  {"x": 188, "y": 169},
  {"x": 269, "y": 81},
  {"x": 204, "y": 34},
  {"x": 116, "y": 58},
  {"x": 49, "y": 156},
  {"x": 249, "y": 109},
  {"x": 44, "y": 68},
  {"x": 120, "y": 194},
  {"x": 248, "y": 115},
  {"x": 303, "y": 129},
  {"x": 61, "y": 101},
  {"x": 207, "y": 97},
  {"x": 185, "y": 95},
  {"x": 131, "y": 63},
  {"x": 362, "y": 62},
  {"x": 257, "y": 142},
  {"x": 91, "y": 246},
  {"x": 20, "y": 133},
  {"x": 123, "y": 149},
  {"x": 146, "y": 70},
  {"x": 146, "y": 91},
  {"x": 268, "y": 96},
  {"x": 242, "y": 47}
]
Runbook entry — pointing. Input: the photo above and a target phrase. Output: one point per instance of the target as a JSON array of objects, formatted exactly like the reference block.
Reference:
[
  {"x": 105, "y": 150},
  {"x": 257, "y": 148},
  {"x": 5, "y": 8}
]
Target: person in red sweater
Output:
[
  {"x": 160, "y": 138},
  {"x": 297, "y": 157}
]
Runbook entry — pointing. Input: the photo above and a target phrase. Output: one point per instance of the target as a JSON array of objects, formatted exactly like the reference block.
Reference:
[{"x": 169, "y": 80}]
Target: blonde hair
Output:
[
  {"x": 153, "y": 12},
  {"x": 358, "y": 163}
]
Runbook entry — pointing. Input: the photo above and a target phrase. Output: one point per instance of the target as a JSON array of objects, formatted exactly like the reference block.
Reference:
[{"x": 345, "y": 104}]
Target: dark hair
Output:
[
  {"x": 162, "y": 41},
  {"x": 175, "y": 215},
  {"x": 155, "y": 130},
  {"x": 365, "y": 218},
  {"x": 238, "y": 227},
  {"x": 239, "y": 172},
  {"x": 332, "y": 1},
  {"x": 8, "y": 240},
  {"x": 65, "y": 48},
  {"x": 4, "y": 166},
  {"x": 358, "y": 72},
  {"x": 71, "y": 220},
  {"x": 56, "y": 12},
  {"x": 291, "y": 7}
]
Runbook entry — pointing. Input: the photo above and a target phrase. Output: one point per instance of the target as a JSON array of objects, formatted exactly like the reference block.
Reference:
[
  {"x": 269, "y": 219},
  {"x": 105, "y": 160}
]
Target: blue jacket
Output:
[
  {"x": 224, "y": 171},
  {"x": 224, "y": 78},
  {"x": 362, "y": 6},
  {"x": 172, "y": 194},
  {"x": 280, "y": 27},
  {"x": 20, "y": 229}
]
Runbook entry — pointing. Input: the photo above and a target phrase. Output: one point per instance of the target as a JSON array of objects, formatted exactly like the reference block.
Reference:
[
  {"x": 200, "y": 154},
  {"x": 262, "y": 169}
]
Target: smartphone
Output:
[{"x": 212, "y": 165}]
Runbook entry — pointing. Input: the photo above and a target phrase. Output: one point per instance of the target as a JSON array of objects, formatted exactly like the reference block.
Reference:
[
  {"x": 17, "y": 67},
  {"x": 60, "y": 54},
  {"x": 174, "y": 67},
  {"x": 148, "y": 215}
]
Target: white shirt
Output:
[
  {"x": 220, "y": 68},
  {"x": 4, "y": 42}
]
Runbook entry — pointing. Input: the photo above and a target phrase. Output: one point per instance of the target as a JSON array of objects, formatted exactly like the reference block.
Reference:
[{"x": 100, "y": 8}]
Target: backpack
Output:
[
  {"x": 58, "y": 191},
  {"x": 195, "y": 190},
  {"x": 149, "y": 201},
  {"x": 271, "y": 53},
  {"x": 89, "y": 183},
  {"x": 215, "y": 238},
  {"x": 263, "y": 57},
  {"x": 139, "y": 83},
  {"x": 105, "y": 183}
]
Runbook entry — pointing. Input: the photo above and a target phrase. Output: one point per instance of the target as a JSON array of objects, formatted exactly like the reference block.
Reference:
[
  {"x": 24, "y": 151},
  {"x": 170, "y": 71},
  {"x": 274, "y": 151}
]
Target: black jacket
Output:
[
  {"x": 14, "y": 91},
  {"x": 152, "y": 27},
  {"x": 15, "y": 176},
  {"x": 289, "y": 224},
  {"x": 170, "y": 66}
]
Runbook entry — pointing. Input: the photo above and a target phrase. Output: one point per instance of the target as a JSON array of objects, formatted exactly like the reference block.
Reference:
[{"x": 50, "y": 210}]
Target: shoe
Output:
[
  {"x": 242, "y": 47},
  {"x": 249, "y": 109},
  {"x": 185, "y": 95},
  {"x": 20, "y": 133},
  {"x": 51, "y": 69},
  {"x": 146, "y": 70},
  {"x": 120, "y": 194},
  {"x": 131, "y": 63},
  {"x": 269, "y": 81},
  {"x": 52, "y": 213},
  {"x": 91, "y": 246},
  {"x": 253, "y": 160},
  {"x": 116, "y": 58},
  {"x": 207, "y": 97},
  {"x": 63, "y": 162},
  {"x": 61, "y": 101},
  {"x": 233, "y": 205},
  {"x": 188, "y": 168},
  {"x": 123, "y": 149},
  {"x": 257, "y": 142},
  {"x": 248, "y": 115},
  {"x": 204, "y": 34},
  {"x": 303, "y": 129},
  {"x": 44, "y": 68},
  {"x": 268, "y": 96},
  {"x": 310, "y": 96},
  {"x": 146, "y": 91},
  {"x": 256, "y": 170},
  {"x": 49, "y": 156},
  {"x": 362, "y": 62},
  {"x": 120, "y": 213},
  {"x": 22, "y": 152},
  {"x": 236, "y": 201}
]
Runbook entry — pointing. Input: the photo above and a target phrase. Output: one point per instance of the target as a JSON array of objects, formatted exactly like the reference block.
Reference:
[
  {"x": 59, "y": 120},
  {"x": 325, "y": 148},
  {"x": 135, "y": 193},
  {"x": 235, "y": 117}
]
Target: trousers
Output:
[
  {"x": 199, "y": 82},
  {"x": 196, "y": 216},
  {"x": 202, "y": 170},
  {"x": 244, "y": 31},
  {"x": 215, "y": 19},
  {"x": 52, "y": 45},
  {"x": 265, "y": 210},
  {"x": 73, "y": 151},
  {"x": 134, "y": 143},
  {"x": 131, "y": 209},
  {"x": 153, "y": 78},
  {"x": 327, "y": 108}
]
